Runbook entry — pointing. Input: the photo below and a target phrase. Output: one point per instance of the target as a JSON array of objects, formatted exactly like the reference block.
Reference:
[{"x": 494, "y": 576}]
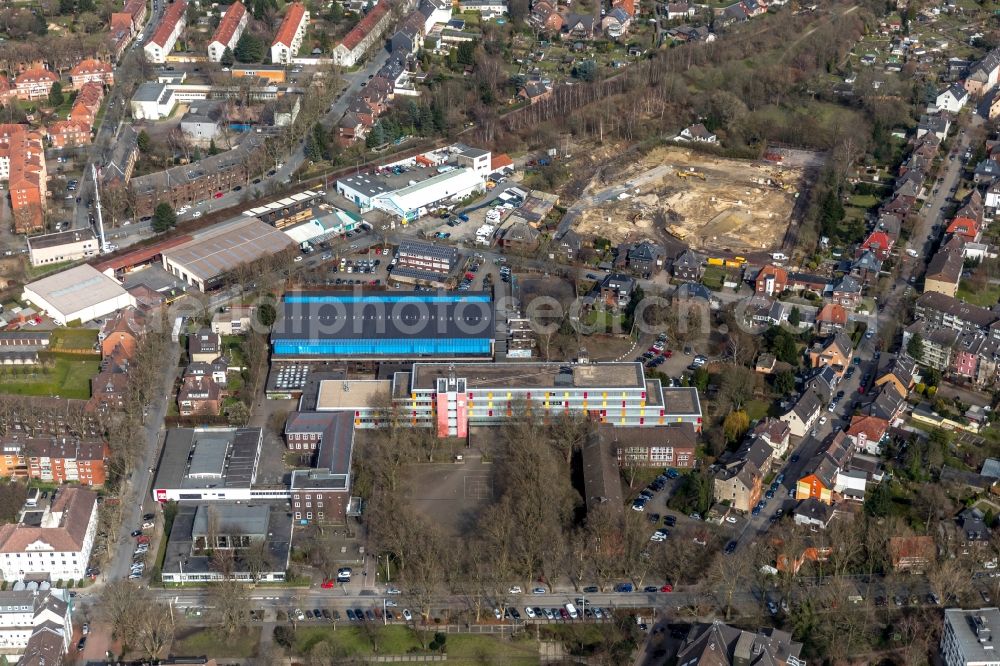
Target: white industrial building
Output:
[
  {"x": 71, "y": 245},
  {"x": 79, "y": 294},
  {"x": 153, "y": 101},
  {"x": 414, "y": 199}
]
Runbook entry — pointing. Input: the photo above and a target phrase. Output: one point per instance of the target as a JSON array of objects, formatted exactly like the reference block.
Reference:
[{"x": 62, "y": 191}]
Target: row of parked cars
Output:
[
  {"x": 353, "y": 614},
  {"x": 654, "y": 487}
]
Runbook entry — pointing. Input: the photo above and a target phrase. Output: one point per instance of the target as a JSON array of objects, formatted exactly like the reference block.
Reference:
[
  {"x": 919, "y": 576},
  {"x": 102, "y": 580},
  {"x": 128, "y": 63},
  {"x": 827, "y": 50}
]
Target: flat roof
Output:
[
  {"x": 76, "y": 288},
  {"x": 351, "y": 394},
  {"x": 384, "y": 315},
  {"x": 61, "y": 238},
  {"x": 531, "y": 375},
  {"x": 681, "y": 400},
  {"x": 223, "y": 247},
  {"x": 973, "y": 632},
  {"x": 198, "y": 458}
]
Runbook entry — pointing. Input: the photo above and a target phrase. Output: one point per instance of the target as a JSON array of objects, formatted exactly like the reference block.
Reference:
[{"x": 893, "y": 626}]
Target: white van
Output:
[{"x": 571, "y": 609}]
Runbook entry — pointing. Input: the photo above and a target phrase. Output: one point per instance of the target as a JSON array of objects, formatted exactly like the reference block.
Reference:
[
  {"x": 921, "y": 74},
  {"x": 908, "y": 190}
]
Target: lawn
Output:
[
  {"x": 985, "y": 297},
  {"x": 714, "y": 277},
  {"x": 400, "y": 640},
  {"x": 863, "y": 200},
  {"x": 602, "y": 321},
  {"x": 36, "y": 272},
  {"x": 65, "y": 378},
  {"x": 203, "y": 641},
  {"x": 757, "y": 409},
  {"x": 74, "y": 339}
]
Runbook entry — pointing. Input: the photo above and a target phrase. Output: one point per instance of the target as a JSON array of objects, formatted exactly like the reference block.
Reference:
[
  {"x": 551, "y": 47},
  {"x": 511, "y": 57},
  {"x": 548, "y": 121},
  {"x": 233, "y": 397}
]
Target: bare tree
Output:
[{"x": 230, "y": 600}]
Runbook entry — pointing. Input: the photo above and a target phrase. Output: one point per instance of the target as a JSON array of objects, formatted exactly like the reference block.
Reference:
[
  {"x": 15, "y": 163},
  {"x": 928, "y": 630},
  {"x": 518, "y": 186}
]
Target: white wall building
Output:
[
  {"x": 231, "y": 27},
  {"x": 153, "y": 101},
  {"x": 292, "y": 31},
  {"x": 24, "y": 613},
  {"x": 953, "y": 99},
  {"x": 79, "y": 294},
  {"x": 167, "y": 33},
  {"x": 71, "y": 245},
  {"x": 52, "y": 541}
]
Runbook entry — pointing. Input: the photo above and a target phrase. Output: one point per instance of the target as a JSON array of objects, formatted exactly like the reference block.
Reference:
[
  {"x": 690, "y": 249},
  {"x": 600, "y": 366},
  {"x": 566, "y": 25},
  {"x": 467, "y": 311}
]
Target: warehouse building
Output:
[
  {"x": 384, "y": 326},
  {"x": 454, "y": 397},
  {"x": 411, "y": 193},
  {"x": 208, "y": 256},
  {"x": 211, "y": 464},
  {"x": 71, "y": 245},
  {"x": 79, "y": 294}
]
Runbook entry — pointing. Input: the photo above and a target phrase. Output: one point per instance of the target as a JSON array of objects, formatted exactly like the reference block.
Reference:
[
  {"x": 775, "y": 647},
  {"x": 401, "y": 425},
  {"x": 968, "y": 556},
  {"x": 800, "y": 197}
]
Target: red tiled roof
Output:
[
  {"x": 872, "y": 426},
  {"x": 290, "y": 24},
  {"x": 500, "y": 161},
  {"x": 36, "y": 74},
  {"x": 627, "y": 5},
  {"x": 90, "y": 66},
  {"x": 76, "y": 506},
  {"x": 229, "y": 23},
  {"x": 170, "y": 18},
  {"x": 134, "y": 7},
  {"x": 365, "y": 26},
  {"x": 833, "y": 313}
]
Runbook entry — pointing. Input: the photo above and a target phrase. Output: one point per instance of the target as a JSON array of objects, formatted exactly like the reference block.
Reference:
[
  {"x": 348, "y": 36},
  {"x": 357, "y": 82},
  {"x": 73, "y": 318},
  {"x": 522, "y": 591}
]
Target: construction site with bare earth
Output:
[{"x": 708, "y": 202}]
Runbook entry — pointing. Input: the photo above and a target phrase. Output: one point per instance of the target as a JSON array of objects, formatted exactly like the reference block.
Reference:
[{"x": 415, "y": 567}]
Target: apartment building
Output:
[
  {"x": 92, "y": 71},
  {"x": 428, "y": 257},
  {"x": 291, "y": 32},
  {"x": 51, "y": 542},
  {"x": 54, "y": 459},
  {"x": 967, "y": 637},
  {"x": 233, "y": 22},
  {"x": 666, "y": 446},
  {"x": 167, "y": 33},
  {"x": 34, "y": 621},
  {"x": 22, "y": 165},
  {"x": 34, "y": 83}
]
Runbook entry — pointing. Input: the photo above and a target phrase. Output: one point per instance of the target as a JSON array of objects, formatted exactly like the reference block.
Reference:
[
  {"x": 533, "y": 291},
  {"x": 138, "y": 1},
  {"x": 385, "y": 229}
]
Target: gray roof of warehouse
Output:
[
  {"x": 222, "y": 458},
  {"x": 427, "y": 250},
  {"x": 393, "y": 320},
  {"x": 61, "y": 238},
  {"x": 224, "y": 247}
]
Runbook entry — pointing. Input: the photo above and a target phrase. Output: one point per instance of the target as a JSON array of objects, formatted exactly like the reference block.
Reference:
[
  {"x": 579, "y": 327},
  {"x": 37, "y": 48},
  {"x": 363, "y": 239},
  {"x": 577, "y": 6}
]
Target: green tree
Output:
[
  {"x": 376, "y": 137},
  {"x": 266, "y": 314},
  {"x": 144, "y": 142},
  {"x": 879, "y": 501},
  {"x": 931, "y": 376},
  {"x": 228, "y": 57},
  {"x": 212, "y": 148},
  {"x": 260, "y": 8},
  {"x": 784, "y": 382},
  {"x": 67, "y": 6},
  {"x": 466, "y": 53},
  {"x": 249, "y": 49},
  {"x": 795, "y": 316},
  {"x": 164, "y": 217},
  {"x": 586, "y": 70},
  {"x": 781, "y": 343},
  {"x": 56, "y": 96},
  {"x": 915, "y": 348}
]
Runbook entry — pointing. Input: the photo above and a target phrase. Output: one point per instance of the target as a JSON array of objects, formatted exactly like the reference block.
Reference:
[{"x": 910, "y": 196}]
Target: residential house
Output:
[
  {"x": 535, "y": 91},
  {"x": 616, "y": 291},
  {"x": 204, "y": 346},
  {"x": 677, "y": 11},
  {"x": 234, "y": 320},
  {"x": 982, "y": 75},
  {"x": 973, "y": 532},
  {"x": 813, "y": 513},
  {"x": 968, "y": 221},
  {"x": 944, "y": 271},
  {"x": 34, "y": 83},
  {"x": 520, "y": 236},
  {"x": 663, "y": 446},
  {"x": 949, "y": 312},
  {"x": 545, "y": 16},
  {"x": 803, "y": 415},
  {"x": 199, "y": 395},
  {"x": 847, "y": 292},
  {"x": 771, "y": 280},
  {"x": 835, "y": 351},
  {"x": 92, "y": 71},
  {"x": 718, "y": 644},
  {"x": 986, "y": 171},
  {"x": 739, "y": 480},
  {"x": 218, "y": 370},
  {"x": 645, "y": 258},
  {"x": 901, "y": 373},
  {"x": 911, "y": 554},
  {"x": 952, "y": 99},
  {"x": 696, "y": 133},
  {"x": 123, "y": 329},
  {"x": 579, "y": 26},
  {"x": 817, "y": 284},
  {"x": 615, "y": 23},
  {"x": 879, "y": 243},
  {"x": 687, "y": 267},
  {"x": 819, "y": 476},
  {"x": 868, "y": 433},
  {"x": 832, "y": 318},
  {"x": 936, "y": 125},
  {"x": 765, "y": 364},
  {"x": 867, "y": 268},
  {"x": 822, "y": 382},
  {"x": 775, "y": 433},
  {"x": 886, "y": 403}
]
